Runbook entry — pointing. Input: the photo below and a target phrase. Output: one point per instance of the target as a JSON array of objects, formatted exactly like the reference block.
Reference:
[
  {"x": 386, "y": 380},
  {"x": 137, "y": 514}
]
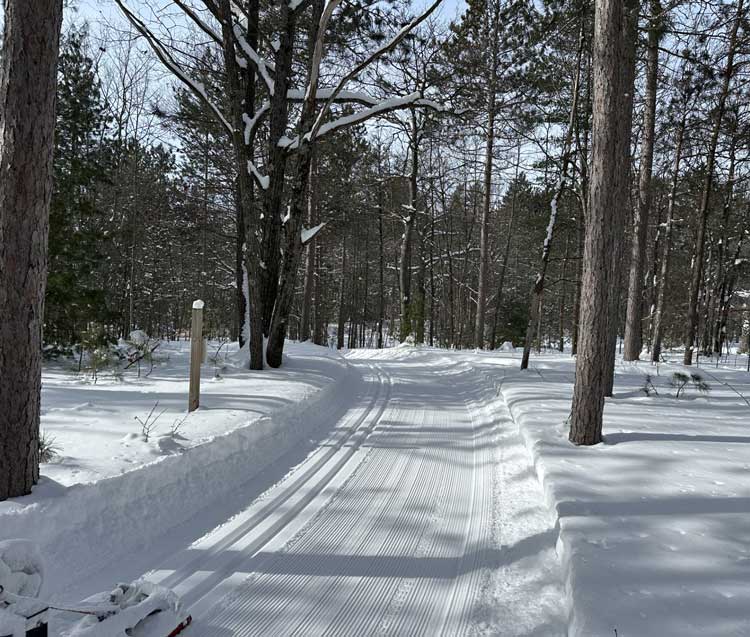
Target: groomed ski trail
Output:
[{"x": 393, "y": 525}]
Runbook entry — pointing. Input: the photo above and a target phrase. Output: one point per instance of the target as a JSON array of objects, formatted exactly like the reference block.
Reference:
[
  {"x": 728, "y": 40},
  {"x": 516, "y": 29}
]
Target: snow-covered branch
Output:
[
  {"x": 251, "y": 123},
  {"x": 380, "y": 108},
  {"x": 166, "y": 58},
  {"x": 200, "y": 23},
  {"x": 312, "y": 85},
  {"x": 380, "y": 51},
  {"x": 262, "y": 65}
]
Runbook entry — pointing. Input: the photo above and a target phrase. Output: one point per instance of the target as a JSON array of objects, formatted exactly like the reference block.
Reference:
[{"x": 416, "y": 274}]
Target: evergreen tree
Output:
[{"x": 76, "y": 233}]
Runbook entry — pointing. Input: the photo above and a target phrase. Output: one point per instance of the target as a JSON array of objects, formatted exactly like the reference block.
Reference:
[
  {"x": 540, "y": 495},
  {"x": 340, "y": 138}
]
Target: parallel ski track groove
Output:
[{"x": 359, "y": 434}]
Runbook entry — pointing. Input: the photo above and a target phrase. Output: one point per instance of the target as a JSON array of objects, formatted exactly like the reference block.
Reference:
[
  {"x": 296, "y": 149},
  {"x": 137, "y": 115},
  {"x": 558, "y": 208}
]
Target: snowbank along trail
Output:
[{"x": 417, "y": 515}]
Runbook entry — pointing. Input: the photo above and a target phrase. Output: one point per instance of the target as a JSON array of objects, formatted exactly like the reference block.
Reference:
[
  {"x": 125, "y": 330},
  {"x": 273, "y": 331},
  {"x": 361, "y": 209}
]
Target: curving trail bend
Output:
[{"x": 416, "y": 515}]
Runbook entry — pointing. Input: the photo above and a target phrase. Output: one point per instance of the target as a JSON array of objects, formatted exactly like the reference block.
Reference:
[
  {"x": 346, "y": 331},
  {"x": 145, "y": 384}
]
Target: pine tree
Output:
[{"x": 74, "y": 297}]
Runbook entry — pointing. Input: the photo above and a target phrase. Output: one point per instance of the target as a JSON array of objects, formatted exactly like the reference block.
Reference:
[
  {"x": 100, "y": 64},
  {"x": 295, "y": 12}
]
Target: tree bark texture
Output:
[
  {"x": 614, "y": 43},
  {"x": 634, "y": 319},
  {"x": 696, "y": 279},
  {"x": 27, "y": 102}
]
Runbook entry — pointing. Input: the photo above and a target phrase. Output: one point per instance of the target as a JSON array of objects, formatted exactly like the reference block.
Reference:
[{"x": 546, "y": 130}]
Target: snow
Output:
[
  {"x": 21, "y": 568},
  {"x": 402, "y": 491},
  {"x": 11, "y": 624},
  {"x": 135, "y": 602},
  {"x": 89, "y": 505},
  {"x": 262, "y": 65},
  {"x": 308, "y": 234},
  {"x": 263, "y": 180},
  {"x": 653, "y": 527}
]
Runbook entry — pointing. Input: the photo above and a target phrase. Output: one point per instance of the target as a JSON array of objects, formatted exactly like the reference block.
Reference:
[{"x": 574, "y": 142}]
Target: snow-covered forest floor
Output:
[{"x": 409, "y": 489}]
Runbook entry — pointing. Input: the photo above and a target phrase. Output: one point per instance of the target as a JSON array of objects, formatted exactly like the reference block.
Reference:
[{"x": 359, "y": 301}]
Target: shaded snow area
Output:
[
  {"x": 654, "y": 524},
  {"x": 112, "y": 493},
  {"x": 408, "y": 491},
  {"x": 381, "y": 493}
]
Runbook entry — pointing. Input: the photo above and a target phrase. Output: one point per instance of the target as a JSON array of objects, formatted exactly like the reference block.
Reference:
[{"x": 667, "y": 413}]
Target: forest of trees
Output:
[{"x": 362, "y": 174}]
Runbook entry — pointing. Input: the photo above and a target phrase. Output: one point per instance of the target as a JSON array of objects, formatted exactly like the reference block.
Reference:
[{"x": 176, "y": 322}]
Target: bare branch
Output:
[{"x": 166, "y": 58}]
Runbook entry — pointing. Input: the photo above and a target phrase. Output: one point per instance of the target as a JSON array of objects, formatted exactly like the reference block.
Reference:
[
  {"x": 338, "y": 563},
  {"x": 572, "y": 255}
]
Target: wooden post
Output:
[{"x": 196, "y": 355}]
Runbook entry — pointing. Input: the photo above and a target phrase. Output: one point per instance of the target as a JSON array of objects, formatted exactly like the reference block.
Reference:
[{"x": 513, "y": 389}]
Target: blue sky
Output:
[{"x": 93, "y": 10}]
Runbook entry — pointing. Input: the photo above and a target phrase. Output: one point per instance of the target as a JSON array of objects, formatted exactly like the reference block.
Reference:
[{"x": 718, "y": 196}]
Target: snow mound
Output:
[
  {"x": 21, "y": 568},
  {"x": 11, "y": 624},
  {"x": 507, "y": 346},
  {"x": 131, "y": 604}
]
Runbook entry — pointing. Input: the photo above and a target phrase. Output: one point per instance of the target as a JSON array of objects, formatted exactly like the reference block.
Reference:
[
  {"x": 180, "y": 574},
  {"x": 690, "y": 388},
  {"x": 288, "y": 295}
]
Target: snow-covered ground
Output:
[
  {"x": 655, "y": 523},
  {"x": 405, "y": 491},
  {"x": 111, "y": 493}
]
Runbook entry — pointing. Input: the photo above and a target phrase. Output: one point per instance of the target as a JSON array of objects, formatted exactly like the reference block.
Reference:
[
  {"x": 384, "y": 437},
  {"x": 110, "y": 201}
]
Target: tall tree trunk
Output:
[
  {"x": 625, "y": 121},
  {"x": 538, "y": 289},
  {"x": 342, "y": 299},
  {"x": 408, "y": 240},
  {"x": 633, "y": 323},
  {"x": 697, "y": 272},
  {"x": 381, "y": 270},
  {"x": 614, "y": 50},
  {"x": 241, "y": 99},
  {"x": 28, "y": 76},
  {"x": 658, "y": 327},
  {"x": 312, "y": 217},
  {"x": 278, "y": 122},
  {"x": 487, "y": 183},
  {"x": 297, "y": 200}
]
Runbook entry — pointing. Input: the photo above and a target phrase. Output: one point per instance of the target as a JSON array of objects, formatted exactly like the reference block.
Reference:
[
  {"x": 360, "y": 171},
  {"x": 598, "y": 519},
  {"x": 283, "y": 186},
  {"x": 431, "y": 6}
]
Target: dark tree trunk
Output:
[
  {"x": 408, "y": 239},
  {"x": 696, "y": 279},
  {"x": 243, "y": 150},
  {"x": 297, "y": 198},
  {"x": 312, "y": 216},
  {"x": 625, "y": 122},
  {"x": 277, "y": 161},
  {"x": 658, "y": 326},
  {"x": 484, "y": 224},
  {"x": 633, "y": 323},
  {"x": 537, "y": 292},
  {"x": 614, "y": 51},
  {"x": 28, "y": 77}
]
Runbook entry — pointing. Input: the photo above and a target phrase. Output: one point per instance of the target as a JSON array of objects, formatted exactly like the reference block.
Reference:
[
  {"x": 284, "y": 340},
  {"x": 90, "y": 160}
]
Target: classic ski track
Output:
[
  {"x": 299, "y": 488},
  {"x": 400, "y": 506}
]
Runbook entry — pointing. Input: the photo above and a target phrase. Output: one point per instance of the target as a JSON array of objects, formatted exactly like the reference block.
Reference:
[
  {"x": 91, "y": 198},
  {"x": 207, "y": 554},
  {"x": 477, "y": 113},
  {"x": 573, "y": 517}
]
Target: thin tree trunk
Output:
[
  {"x": 28, "y": 78},
  {"x": 342, "y": 299},
  {"x": 381, "y": 271},
  {"x": 633, "y": 323},
  {"x": 312, "y": 216},
  {"x": 243, "y": 150},
  {"x": 697, "y": 271},
  {"x": 538, "y": 288},
  {"x": 623, "y": 181},
  {"x": 484, "y": 225},
  {"x": 406, "y": 242},
  {"x": 658, "y": 327},
  {"x": 614, "y": 50},
  {"x": 506, "y": 254}
]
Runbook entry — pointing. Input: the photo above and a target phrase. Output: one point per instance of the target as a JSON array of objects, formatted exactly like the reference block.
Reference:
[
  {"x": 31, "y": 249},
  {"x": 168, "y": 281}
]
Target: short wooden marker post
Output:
[{"x": 196, "y": 355}]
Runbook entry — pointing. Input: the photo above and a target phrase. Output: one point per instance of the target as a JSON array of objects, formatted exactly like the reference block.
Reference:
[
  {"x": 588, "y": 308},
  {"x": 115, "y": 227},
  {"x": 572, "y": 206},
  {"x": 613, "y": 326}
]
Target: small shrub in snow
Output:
[
  {"x": 97, "y": 352},
  {"x": 649, "y": 387},
  {"x": 701, "y": 385},
  {"x": 148, "y": 426},
  {"x": 48, "y": 447},
  {"x": 680, "y": 381},
  {"x": 174, "y": 430},
  {"x": 139, "y": 348},
  {"x": 219, "y": 360},
  {"x": 55, "y": 351}
]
